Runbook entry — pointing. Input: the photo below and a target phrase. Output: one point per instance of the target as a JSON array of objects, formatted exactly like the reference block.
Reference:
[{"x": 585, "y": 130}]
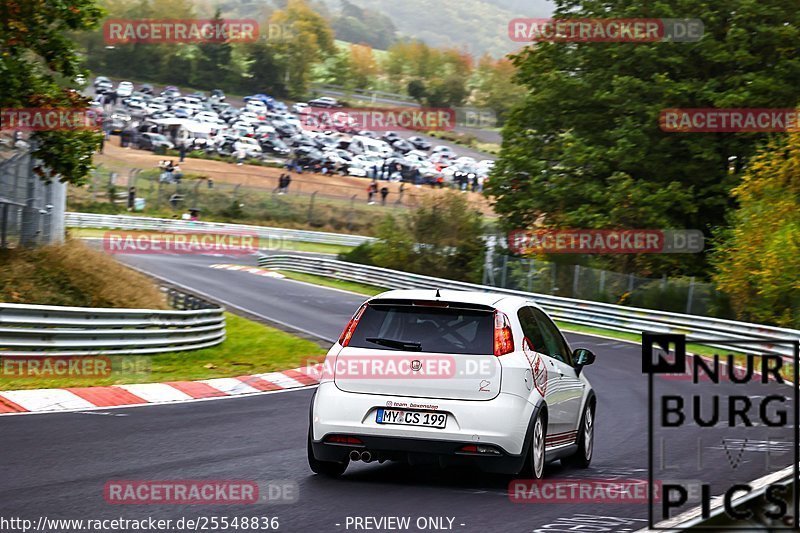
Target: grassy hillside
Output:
[
  {"x": 74, "y": 275},
  {"x": 477, "y": 26}
]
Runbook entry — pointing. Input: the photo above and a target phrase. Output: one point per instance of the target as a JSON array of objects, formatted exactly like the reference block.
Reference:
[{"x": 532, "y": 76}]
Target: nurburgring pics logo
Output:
[
  {"x": 200, "y": 242},
  {"x": 49, "y": 119},
  {"x": 151, "y": 31},
  {"x": 740, "y": 413},
  {"x": 732, "y": 120},
  {"x": 586, "y": 241},
  {"x": 605, "y": 30}
]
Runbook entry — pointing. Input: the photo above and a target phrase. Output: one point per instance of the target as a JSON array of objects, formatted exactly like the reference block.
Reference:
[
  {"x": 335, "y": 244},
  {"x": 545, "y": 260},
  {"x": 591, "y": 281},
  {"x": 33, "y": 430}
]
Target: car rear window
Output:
[{"x": 438, "y": 330}]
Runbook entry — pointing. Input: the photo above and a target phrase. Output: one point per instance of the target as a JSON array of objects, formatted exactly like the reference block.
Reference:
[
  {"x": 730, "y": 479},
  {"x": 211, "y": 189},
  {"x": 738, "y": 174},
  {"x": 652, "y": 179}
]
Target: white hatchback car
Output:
[{"x": 451, "y": 377}]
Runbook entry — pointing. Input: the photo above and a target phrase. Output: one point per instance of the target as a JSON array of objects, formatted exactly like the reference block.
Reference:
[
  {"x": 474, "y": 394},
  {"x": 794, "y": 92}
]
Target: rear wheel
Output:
[
  {"x": 536, "y": 455},
  {"x": 325, "y": 468},
  {"x": 583, "y": 457}
]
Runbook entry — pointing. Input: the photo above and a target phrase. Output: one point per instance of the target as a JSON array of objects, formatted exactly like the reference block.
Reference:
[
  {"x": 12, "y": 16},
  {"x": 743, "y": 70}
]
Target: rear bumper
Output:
[
  {"x": 419, "y": 451},
  {"x": 502, "y": 423}
]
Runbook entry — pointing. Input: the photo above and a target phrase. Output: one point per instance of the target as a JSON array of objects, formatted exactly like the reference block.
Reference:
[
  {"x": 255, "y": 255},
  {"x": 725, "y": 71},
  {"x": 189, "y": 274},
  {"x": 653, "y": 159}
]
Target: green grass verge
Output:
[
  {"x": 285, "y": 246},
  {"x": 250, "y": 348},
  {"x": 360, "y": 288}
]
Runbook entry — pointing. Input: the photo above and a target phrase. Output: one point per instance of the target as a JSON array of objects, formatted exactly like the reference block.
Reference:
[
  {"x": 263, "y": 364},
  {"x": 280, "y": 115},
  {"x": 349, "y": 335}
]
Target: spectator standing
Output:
[
  {"x": 384, "y": 194},
  {"x": 182, "y": 150},
  {"x": 371, "y": 190},
  {"x": 287, "y": 182}
]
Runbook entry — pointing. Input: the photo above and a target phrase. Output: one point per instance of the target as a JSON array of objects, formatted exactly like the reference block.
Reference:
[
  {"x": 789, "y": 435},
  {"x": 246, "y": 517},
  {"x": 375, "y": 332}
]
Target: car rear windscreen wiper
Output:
[{"x": 392, "y": 343}]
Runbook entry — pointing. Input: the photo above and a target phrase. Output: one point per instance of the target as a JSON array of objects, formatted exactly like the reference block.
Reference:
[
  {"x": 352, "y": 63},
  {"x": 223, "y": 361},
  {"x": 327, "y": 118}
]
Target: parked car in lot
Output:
[
  {"x": 146, "y": 88},
  {"x": 249, "y": 145},
  {"x": 124, "y": 89},
  {"x": 452, "y": 378},
  {"x": 300, "y": 108},
  {"x": 324, "y": 101},
  {"x": 419, "y": 143},
  {"x": 152, "y": 141}
]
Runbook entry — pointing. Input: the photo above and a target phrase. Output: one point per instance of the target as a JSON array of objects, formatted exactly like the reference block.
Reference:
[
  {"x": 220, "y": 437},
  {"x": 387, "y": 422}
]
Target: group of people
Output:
[
  {"x": 170, "y": 172},
  {"x": 372, "y": 190}
]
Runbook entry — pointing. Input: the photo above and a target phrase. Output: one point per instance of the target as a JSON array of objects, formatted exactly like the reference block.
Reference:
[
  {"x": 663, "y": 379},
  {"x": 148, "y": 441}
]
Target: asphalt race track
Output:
[{"x": 57, "y": 464}]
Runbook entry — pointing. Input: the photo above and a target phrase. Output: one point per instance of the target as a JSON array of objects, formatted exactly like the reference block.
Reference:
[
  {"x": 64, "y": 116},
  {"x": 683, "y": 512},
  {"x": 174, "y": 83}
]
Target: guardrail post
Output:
[
  {"x": 690, "y": 297},
  {"x": 575, "y": 280},
  {"x": 602, "y": 282},
  {"x": 530, "y": 274},
  {"x": 351, "y": 212},
  {"x": 4, "y": 226},
  {"x": 504, "y": 277},
  {"x": 311, "y": 207}
]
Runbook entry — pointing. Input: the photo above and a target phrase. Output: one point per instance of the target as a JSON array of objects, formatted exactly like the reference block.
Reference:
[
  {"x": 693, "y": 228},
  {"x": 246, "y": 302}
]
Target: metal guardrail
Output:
[
  {"x": 38, "y": 330},
  {"x": 582, "y": 312},
  {"x": 167, "y": 225}
]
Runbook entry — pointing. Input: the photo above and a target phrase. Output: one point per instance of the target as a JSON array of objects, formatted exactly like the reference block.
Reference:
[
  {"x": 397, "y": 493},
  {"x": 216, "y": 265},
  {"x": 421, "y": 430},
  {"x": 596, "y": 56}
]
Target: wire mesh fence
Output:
[
  {"x": 306, "y": 201},
  {"x": 31, "y": 208},
  {"x": 679, "y": 295}
]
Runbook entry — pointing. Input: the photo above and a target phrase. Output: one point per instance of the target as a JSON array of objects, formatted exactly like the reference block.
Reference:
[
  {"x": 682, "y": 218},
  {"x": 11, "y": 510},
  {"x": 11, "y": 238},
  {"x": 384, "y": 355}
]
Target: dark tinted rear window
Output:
[{"x": 439, "y": 330}]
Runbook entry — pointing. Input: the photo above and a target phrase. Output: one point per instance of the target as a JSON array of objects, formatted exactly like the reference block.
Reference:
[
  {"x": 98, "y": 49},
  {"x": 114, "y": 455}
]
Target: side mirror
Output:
[{"x": 583, "y": 357}]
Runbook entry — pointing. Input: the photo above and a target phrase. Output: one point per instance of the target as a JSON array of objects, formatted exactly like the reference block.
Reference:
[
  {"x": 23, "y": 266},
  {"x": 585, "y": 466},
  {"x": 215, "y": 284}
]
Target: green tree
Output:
[
  {"x": 38, "y": 66},
  {"x": 757, "y": 259},
  {"x": 494, "y": 86},
  {"x": 588, "y": 135},
  {"x": 443, "y": 237},
  {"x": 307, "y": 40},
  {"x": 266, "y": 72},
  {"x": 212, "y": 67}
]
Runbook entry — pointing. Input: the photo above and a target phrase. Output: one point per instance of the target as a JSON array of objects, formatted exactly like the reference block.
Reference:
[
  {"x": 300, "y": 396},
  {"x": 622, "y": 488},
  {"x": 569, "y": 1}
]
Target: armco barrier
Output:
[
  {"x": 582, "y": 312},
  {"x": 31, "y": 330},
  {"x": 167, "y": 225}
]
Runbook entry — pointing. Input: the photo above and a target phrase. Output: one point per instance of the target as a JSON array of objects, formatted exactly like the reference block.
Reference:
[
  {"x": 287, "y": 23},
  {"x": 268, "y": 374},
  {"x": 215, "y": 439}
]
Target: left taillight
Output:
[
  {"x": 347, "y": 334},
  {"x": 503, "y": 337}
]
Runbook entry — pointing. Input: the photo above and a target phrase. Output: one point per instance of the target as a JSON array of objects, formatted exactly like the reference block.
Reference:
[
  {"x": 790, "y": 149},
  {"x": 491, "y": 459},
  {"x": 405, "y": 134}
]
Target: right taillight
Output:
[
  {"x": 503, "y": 338},
  {"x": 347, "y": 334}
]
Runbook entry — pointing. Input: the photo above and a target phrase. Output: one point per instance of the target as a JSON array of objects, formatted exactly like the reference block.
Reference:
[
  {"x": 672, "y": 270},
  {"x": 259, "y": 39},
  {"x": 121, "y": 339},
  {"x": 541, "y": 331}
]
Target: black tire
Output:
[
  {"x": 583, "y": 457},
  {"x": 536, "y": 460},
  {"x": 325, "y": 468}
]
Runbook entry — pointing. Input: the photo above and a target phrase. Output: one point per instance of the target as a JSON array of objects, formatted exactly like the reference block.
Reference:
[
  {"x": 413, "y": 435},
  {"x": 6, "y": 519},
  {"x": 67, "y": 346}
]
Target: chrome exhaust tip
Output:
[
  {"x": 355, "y": 455},
  {"x": 366, "y": 457}
]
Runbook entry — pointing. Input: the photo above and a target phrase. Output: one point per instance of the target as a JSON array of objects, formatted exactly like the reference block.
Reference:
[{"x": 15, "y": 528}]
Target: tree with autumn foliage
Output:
[
  {"x": 38, "y": 66},
  {"x": 307, "y": 39},
  {"x": 757, "y": 258}
]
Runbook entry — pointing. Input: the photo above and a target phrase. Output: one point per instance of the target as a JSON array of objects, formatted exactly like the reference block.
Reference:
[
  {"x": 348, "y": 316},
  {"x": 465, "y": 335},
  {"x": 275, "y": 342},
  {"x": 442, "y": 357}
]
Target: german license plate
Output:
[{"x": 411, "y": 418}]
